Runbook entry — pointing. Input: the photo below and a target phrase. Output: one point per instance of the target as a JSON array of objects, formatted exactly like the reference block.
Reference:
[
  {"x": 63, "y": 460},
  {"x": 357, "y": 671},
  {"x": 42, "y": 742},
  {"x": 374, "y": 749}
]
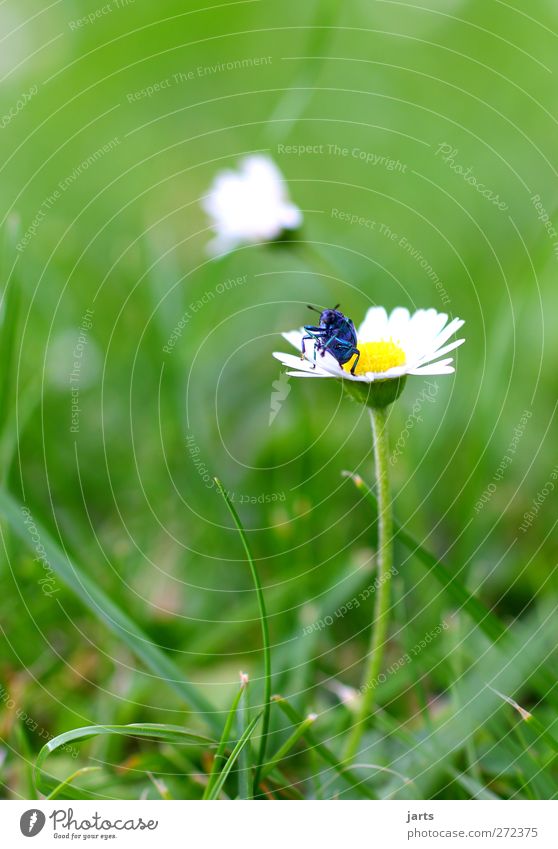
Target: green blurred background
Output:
[{"x": 124, "y": 237}]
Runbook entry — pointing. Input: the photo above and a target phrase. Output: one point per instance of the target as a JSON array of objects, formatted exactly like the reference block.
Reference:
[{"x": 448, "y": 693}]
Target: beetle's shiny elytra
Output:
[{"x": 335, "y": 334}]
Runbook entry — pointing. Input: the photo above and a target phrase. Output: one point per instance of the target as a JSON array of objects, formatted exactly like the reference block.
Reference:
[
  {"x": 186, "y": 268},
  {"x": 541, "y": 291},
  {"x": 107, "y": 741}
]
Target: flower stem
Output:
[{"x": 382, "y": 597}]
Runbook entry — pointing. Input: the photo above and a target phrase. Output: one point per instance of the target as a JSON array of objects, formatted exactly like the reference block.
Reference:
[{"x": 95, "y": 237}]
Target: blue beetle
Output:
[{"x": 335, "y": 334}]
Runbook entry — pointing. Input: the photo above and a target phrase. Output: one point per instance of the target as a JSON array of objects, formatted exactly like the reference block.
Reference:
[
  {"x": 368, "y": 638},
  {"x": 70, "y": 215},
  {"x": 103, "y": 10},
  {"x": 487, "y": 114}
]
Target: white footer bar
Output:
[{"x": 282, "y": 825}]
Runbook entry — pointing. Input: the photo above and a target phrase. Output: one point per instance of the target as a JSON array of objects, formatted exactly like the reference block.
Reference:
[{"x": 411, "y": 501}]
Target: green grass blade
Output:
[
  {"x": 300, "y": 731},
  {"x": 244, "y": 760},
  {"x": 24, "y": 752},
  {"x": 265, "y": 635},
  {"x": 472, "y": 786},
  {"x": 163, "y": 732},
  {"x": 219, "y": 758},
  {"x": 107, "y": 611},
  {"x": 233, "y": 757},
  {"x": 347, "y": 774},
  {"x": 539, "y": 729},
  {"x": 9, "y": 313},
  {"x": 160, "y": 787},
  {"x": 67, "y": 783}
]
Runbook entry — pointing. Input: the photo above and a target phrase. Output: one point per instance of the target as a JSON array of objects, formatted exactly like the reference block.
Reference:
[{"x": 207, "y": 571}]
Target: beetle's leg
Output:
[
  {"x": 315, "y": 336},
  {"x": 354, "y": 365},
  {"x": 304, "y": 338},
  {"x": 343, "y": 342}
]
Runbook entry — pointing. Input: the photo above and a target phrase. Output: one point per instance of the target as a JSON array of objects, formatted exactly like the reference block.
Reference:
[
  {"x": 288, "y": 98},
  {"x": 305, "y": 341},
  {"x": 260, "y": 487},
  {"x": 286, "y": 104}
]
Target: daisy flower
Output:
[
  {"x": 250, "y": 205},
  {"x": 390, "y": 346},
  {"x": 373, "y": 363}
]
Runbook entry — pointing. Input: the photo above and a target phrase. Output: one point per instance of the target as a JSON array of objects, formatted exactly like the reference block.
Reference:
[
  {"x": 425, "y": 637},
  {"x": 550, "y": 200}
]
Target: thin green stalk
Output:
[
  {"x": 244, "y": 759},
  {"x": 265, "y": 636},
  {"x": 382, "y": 597},
  {"x": 347, "y": 774},
  {"x": 284, "y": 750},
  {"x": 232, "y": 759},
  {"x": 67, "y": 783},
  {"x": 532, "y": 721},
  {"x": 219, "y": 760}
]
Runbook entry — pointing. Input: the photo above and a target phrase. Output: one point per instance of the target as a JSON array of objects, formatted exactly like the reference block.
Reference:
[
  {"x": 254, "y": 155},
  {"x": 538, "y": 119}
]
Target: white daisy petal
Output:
[
  {"x": 454, "y": 325},
  {"x": 441, "y": 351},
  {"x": 433, "y": 368},
  {"x": 396, "y": 371},
  {"x": 374, "y": 325},
  {"x": 397, "y": 324},
  {"x": 310, "y": 374},
  {"x": 294, "y": 337},
  {"x": 291, "y": 361},
  {"x": 423, "y": 346},
  {"x": 425, "y": 328}
]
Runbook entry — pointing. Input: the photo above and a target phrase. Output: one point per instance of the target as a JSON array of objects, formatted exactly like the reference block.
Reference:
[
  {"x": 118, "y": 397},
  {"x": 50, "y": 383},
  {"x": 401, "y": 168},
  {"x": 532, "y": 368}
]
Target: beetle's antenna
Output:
[
  {"x": 313, "y": 308},
  {"x": 336, "y": 307}
]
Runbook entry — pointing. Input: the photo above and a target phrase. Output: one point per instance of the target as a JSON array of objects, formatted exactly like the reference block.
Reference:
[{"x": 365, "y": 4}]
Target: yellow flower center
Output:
[{"x": 377, "y": 356}]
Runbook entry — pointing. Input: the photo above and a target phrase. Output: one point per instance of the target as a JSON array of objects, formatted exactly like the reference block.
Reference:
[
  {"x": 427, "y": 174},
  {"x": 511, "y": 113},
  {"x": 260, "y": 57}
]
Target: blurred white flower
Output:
[
  {"x": 250, "y": 205},
  {"x": 389, "y": 346}
]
